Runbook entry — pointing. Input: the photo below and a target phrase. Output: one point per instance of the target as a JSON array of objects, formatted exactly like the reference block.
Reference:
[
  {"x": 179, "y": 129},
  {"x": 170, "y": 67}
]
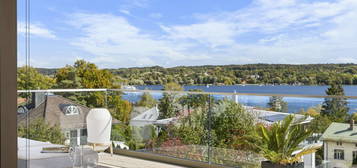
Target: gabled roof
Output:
[
  {"x": 146, "y": 118},
  {"x": 340, "y": 132},
  {"x": 52, "y": 110},
  {"x": 270, "y": 117},
  {"x": 149, "y": 115}
]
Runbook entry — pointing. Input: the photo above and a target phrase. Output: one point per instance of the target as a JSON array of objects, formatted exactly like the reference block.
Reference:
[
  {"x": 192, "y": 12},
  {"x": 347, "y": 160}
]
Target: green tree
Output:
[
  {"x": 276, "y": 103},
  {"x": 335, "y": 107},
  {"x": 312, "y": 111},
  {"x": 230, "y": 122},
  {"x": 120, "y": 109},
  {"x": 168, "y": 104},
  {"x": 172, "y": 86},
  {"x": 320, "y": 123},
  {"x": 147, "y": 100},
  {"x": 30, "y": 78},
  {"x": 191, "y": 129},
  {"x": 41, "y": 131},
  {"x": 87, "y": 75},
  {"x": 84, "y": 75}
]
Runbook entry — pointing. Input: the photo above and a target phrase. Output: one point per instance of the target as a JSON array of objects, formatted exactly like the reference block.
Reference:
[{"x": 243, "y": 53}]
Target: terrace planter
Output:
[{"x": 268, "y": 164}]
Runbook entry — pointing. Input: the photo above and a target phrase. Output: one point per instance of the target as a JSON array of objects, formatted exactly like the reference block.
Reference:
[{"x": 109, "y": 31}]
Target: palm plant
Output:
[{"x": 280, "y": 143}]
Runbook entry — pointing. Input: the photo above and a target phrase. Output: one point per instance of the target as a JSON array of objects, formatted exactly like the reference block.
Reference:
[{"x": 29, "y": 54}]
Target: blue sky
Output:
[{"x": 131, "y": 33}]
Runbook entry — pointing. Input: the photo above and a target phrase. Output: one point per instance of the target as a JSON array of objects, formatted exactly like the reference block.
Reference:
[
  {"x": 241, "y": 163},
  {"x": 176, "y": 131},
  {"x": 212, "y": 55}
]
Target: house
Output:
[
  {"x": 36, "y": 99},
  {"x": 68, "y": 115},
  {"x": 269, "y": 117},
  {"x": 149, "y": 117},
  {"x": 340, "y": 144}
]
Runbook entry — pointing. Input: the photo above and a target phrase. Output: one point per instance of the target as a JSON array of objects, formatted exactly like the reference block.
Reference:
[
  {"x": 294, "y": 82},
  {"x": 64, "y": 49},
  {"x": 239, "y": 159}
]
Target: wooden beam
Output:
[{"x": 8, "y": 95}]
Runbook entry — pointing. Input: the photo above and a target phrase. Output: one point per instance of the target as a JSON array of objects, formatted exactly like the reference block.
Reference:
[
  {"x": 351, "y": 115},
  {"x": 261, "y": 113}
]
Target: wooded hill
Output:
[{"x": 309, "y": 74}]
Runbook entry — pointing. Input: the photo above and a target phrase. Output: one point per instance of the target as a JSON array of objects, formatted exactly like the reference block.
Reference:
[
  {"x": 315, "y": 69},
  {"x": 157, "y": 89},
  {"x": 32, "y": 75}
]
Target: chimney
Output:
[
  {"x": 38, "y": 98},
  {"x": 352, "y": 124}
]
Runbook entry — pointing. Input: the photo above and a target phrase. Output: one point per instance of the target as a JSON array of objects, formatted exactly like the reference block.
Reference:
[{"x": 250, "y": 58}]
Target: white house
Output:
[
  {"x": 147, "y": 117},
  {"x": 340, "y": 145},
  {"x": 150, "y": 117}
]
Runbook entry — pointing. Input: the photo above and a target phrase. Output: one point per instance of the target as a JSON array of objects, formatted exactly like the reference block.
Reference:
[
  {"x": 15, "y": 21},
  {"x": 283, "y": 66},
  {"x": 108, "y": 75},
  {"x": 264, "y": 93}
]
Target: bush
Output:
[{"x": 41, "y": 131}]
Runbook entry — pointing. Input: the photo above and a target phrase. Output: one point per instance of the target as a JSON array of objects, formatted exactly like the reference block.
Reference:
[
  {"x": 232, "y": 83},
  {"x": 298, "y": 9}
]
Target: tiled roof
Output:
[
  {"x": 52, "y": 111},
  {"x": 340, "y": 132}
]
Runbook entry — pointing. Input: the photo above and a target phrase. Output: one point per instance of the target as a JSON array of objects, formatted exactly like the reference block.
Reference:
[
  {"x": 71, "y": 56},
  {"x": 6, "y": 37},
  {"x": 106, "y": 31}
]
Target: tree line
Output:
[{"x": 309, "y": 74}]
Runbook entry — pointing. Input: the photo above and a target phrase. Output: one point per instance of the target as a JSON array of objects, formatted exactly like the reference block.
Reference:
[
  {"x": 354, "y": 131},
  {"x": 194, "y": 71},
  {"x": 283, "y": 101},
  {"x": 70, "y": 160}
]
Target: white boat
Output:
[{"x": 128, "y": 87}]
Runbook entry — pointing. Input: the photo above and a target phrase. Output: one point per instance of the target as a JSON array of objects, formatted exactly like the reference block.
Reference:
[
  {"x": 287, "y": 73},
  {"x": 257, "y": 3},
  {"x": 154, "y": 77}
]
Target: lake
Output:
[{"x": 294, "y": 103}]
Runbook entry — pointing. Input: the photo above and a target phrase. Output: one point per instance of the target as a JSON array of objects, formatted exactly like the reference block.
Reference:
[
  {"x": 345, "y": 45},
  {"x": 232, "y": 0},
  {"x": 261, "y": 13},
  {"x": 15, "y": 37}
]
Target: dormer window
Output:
[{"x": 71, "y": 110}]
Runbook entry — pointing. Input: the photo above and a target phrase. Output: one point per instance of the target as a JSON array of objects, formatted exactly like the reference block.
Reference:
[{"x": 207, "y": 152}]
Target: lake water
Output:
[{"x": 294, "y": 103}]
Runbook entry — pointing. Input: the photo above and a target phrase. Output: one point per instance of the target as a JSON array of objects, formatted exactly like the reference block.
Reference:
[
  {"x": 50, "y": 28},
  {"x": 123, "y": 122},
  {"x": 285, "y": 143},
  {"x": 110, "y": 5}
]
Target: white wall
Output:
[
  {"x": 348, "y": 149},
  {"x": 309, "y": 160}
]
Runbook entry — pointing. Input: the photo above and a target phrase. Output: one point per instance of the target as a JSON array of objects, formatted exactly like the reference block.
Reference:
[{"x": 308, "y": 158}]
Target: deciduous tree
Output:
[{"x": 30, "y": 78}]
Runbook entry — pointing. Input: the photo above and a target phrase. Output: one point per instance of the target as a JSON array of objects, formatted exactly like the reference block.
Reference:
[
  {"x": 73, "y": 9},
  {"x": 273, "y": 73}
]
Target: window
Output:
[
  {"x": 67, "y": 134},
  {"x": 339, "y": 154},
  {"x": 83, "y": 138},
  {"x": 354, "y": 157},
  {"x": 73, "y": 133},
  {"x": 73, "y": 138},
  {"x": 83, "y": 132},
  {"x": 71, "y": 110},
  {"x": 339, "y": 143}
]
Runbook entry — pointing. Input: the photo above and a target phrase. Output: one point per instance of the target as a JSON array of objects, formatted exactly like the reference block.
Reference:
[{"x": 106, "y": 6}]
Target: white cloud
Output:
[
  {"x": 267, "y": 31},
  {"x": 131, "y": 4},
  {"x": 36, "y": 30},
  {"x": 278, "y": 31},
  {"x": 112, "y": 40},
  {"x": 138, "y": 3},
  {"x": 127, "y": 12},
  {"x": 210, "y": 33}
]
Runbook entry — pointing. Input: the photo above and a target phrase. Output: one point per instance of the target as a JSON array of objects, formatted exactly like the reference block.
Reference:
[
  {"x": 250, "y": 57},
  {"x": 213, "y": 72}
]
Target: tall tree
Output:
[
  {"x": 147, "y": 100},
  {"x": 168, "y": 104},
  {"x": 335, "y": 107},
  {"x": 172, "y": 86},
  {"x": 30, "y": 78},
  {"x": 276, "y": 103},
  {"x": 120, "y": 109},
  {"x": 85, "y": 75}
]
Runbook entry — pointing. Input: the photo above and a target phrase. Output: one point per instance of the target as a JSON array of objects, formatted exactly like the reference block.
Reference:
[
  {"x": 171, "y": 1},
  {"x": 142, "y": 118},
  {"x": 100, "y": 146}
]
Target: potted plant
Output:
[{"x": 279, "y": 143}]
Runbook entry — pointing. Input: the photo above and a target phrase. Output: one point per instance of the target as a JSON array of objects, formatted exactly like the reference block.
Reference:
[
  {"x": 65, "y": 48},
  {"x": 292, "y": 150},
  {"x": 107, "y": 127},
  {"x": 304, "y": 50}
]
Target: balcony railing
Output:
[{"x": 211, "y": 128}]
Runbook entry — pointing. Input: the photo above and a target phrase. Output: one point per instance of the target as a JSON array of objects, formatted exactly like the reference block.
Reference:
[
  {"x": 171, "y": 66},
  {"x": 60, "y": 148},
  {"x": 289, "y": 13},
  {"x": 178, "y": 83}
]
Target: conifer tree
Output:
[{"x": 335, "y": 107}]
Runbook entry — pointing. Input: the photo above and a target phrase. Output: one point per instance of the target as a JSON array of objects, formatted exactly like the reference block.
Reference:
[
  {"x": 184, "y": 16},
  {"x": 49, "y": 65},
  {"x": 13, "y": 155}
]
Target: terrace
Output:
[{"x": 192, "y": 136}]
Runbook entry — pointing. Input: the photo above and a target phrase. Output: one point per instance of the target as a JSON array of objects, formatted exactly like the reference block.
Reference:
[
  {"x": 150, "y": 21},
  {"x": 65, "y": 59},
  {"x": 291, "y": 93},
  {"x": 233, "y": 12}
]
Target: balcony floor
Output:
[{"x": 119, "y": 161}]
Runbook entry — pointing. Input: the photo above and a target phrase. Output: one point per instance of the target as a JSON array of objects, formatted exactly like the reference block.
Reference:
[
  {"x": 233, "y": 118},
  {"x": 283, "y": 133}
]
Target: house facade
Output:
[
  {"x": 340, "y": 145},
  {"x": 68, "y": 115}
]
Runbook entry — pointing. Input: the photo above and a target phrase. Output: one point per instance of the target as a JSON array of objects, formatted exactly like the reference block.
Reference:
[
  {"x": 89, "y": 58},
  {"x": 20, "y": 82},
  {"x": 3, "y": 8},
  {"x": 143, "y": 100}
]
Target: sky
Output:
[{"x": 168, "y": 33}]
